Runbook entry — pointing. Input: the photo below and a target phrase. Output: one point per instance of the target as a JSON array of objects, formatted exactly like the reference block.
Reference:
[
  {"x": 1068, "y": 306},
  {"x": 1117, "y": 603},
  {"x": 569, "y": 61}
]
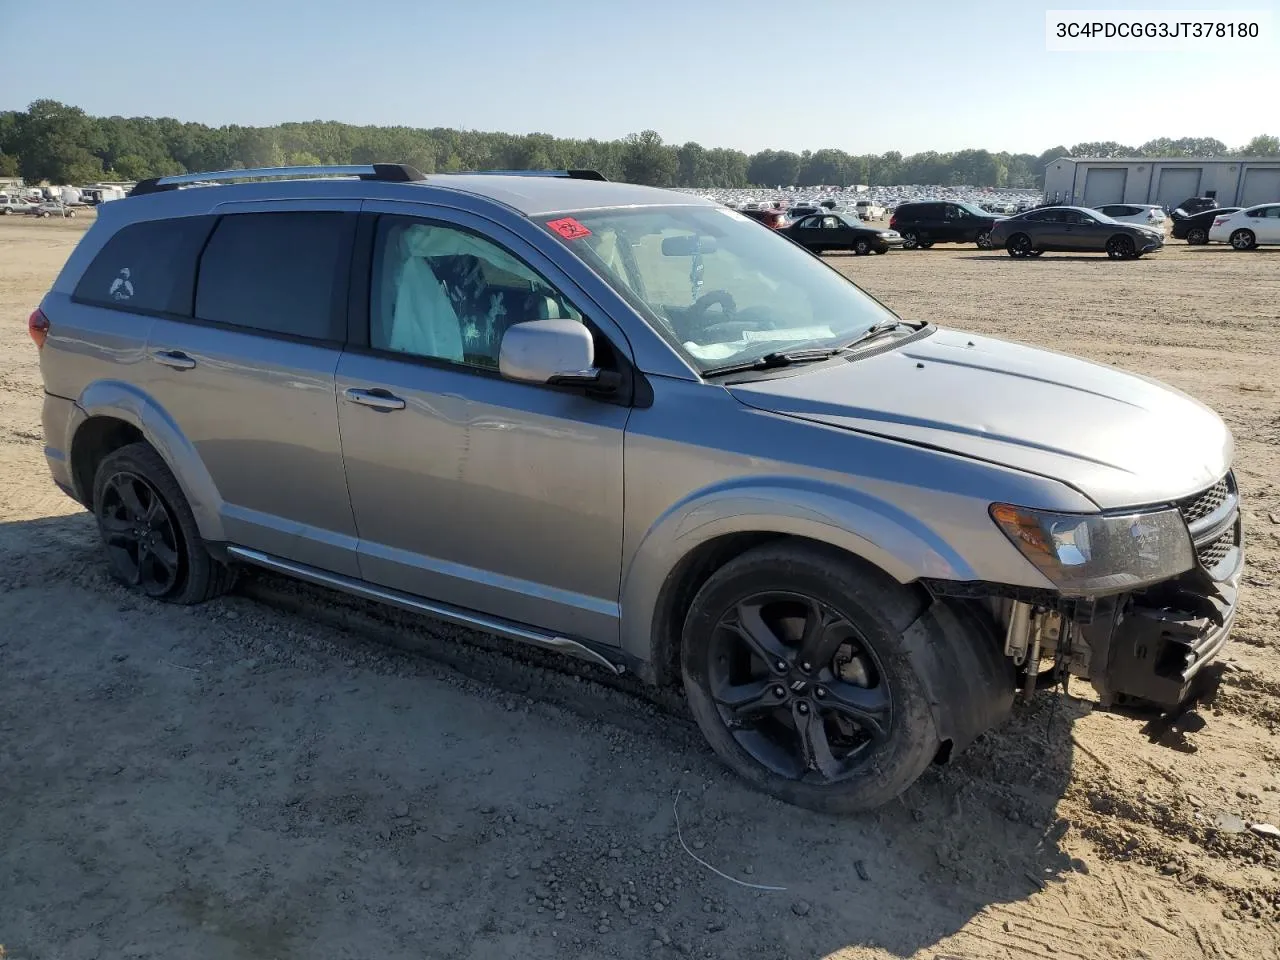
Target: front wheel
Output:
[
  {"x": 1244, "y": 240},
  {"x": 798, "y": 670},
  {"x": 984, "y": 240},
  {"x": 1120, "y": 248},
  {"x": 861, "y": 247},
  {"x": 1197, "y": 236}
]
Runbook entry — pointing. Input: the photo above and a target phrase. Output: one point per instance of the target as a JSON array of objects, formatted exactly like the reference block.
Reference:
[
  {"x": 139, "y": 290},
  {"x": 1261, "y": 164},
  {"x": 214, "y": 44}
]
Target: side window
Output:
[
  {"x": 278, "y": 273},
  {"x": 1256, "y": 212},
  {"x": 1273, "y": 212},
  {"x": 808, "y": 223},
  {"x": 148, "y": 266},
  {"x": 830, "y": 223},
  {"x": 1075, "y": 216},
  {"x": 441, "y": 292},
  {"x": 951, "y": 212}
]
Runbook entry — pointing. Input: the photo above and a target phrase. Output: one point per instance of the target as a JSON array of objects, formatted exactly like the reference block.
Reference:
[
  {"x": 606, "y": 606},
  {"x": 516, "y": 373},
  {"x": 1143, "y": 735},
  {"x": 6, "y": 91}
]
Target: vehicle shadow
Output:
[
  {"x": 151, "y": 699},
  {"x": 1002, "y": 257}
]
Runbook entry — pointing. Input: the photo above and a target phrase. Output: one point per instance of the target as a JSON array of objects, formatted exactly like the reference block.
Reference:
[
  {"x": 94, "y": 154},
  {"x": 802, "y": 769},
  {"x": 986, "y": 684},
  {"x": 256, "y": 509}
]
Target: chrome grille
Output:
[{"x": 1201, "y": 505}]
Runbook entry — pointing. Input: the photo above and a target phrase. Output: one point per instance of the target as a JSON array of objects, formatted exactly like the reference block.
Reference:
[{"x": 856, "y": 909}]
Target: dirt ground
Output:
[{"x": 285, "y": 773}]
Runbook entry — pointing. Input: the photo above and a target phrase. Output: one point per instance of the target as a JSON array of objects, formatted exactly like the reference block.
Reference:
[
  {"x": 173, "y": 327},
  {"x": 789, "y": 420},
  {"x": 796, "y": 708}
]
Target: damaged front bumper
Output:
[{"x": 1146, "y": 646}]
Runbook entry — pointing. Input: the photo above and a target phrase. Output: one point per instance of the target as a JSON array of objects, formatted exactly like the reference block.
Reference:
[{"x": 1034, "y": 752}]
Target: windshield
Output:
[{"x": 718, "y": 286}]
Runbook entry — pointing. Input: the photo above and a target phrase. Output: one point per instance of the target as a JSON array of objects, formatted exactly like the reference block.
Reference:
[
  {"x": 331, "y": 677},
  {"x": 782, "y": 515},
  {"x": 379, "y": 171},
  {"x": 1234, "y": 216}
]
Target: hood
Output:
[{"x": 1120, "y": 439}]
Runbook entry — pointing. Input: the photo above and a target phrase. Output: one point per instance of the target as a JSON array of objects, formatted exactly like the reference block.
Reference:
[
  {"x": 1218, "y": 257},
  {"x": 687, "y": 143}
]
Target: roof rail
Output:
[
  {"x": 571, "y": 174},
  {"x": 385, "y": 172}
]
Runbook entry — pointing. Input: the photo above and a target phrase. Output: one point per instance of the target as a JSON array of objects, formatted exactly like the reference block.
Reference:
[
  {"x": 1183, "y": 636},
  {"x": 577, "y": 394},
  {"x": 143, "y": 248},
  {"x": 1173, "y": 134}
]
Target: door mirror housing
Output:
[{"x": 549, "y": 352}]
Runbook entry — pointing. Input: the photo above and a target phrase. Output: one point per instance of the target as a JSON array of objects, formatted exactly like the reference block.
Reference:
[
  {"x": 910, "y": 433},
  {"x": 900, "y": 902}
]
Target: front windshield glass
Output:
[{"x": 721, "y": 288}]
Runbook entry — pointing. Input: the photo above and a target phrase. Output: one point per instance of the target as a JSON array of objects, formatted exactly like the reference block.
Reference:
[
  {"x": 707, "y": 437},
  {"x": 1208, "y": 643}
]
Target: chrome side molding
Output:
[{"x": 443, "y": 611}]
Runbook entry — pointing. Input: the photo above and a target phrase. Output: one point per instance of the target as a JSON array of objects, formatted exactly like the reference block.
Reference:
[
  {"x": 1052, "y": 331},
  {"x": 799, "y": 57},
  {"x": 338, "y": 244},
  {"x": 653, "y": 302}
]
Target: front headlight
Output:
[{"x": 1086, "y": 554}]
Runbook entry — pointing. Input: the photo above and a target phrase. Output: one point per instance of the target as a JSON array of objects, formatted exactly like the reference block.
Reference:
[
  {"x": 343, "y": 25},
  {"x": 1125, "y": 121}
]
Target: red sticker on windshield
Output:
[{"x": 569, "y": 228}]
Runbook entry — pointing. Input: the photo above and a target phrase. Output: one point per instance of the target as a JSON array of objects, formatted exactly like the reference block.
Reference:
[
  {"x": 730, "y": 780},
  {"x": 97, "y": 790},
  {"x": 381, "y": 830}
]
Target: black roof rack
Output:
[
  {"x": 385, "y": 172},
  {"x": 570, "y": 174}
]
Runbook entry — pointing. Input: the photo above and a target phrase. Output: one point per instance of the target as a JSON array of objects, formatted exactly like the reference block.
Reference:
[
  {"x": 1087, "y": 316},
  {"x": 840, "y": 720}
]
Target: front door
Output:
[
  {"x": 249, "y": 380},
  {"x": 499, "y": 497}
]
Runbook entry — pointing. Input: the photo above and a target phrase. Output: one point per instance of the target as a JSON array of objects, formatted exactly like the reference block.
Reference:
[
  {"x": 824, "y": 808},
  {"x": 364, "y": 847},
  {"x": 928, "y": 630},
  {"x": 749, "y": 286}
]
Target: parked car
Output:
[
  {"x": 823, "y": 233},
  {"x": 924, "y": 223},
  {"x": 1194, "y": 205},
  {"x": 869, "y": 210},
  {"x": 1145, "y": 214},
  {"x": 1246, "y": 229},
  {"x": 12, "y": 205},
  {"x": 50, "y": 208},
  {"x": 1194, "y": 227},
  {"x": 804, "y": 210},
  {"x": 1074, "y": 230},
  {"x": 770, "y": 217},
  {"x": 436, "y": 400}
]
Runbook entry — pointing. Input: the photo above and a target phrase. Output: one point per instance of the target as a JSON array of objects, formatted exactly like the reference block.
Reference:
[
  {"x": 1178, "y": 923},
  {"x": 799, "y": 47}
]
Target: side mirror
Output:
[{"x": 548, "y": 351}]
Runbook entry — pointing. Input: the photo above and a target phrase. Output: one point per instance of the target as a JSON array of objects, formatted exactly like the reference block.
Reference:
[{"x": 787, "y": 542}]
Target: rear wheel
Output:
[
  {"x": 1036, "y": 253},
  {"x": 926, "y": 244},
  {"x": 1019, "y": 245},
  {"x": 1244, "y": 240},
  {"x": 1120, "y": 247},
  {"x": 910, "y": 240},
  {"x": 1197, "y": 236},
  {"x": 861, "y": 246},
  {"x": 798, "y": 673},
  {"x": 882, "y": 249},
  {"x": 152, "y": 541},
  {"x": 984, "y": 240}
]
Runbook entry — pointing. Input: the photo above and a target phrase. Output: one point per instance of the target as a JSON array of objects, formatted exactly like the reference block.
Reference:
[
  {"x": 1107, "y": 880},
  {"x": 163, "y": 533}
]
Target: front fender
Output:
[
  {"x": 877, "y": 531},
  {"x": 123, "y": 401}
]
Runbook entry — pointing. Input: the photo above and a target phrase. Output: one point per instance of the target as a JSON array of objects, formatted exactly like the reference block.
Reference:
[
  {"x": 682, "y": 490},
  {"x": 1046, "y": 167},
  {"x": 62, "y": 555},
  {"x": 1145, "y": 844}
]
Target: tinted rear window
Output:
[
  {"x": 279, "y": 273},
  {"x": 148, "y": 267}
]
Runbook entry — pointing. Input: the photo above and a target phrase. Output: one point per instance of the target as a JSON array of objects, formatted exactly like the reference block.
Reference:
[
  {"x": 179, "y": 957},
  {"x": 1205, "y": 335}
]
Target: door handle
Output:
[
  {"x": 173, "y": 358},
  {"x": 377, "y": 398}
]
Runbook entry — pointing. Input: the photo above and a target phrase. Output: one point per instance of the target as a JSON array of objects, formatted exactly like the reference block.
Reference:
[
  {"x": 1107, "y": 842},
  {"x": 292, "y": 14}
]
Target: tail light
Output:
[
  {"x": 1219, "y": 221},
  {"x": 38, "y": 327},
  {"x": 893, "y": 222}
]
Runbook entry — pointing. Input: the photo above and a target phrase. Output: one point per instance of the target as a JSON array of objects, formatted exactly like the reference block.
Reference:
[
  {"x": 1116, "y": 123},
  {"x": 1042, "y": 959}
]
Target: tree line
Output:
[{"x": 54, "y": 142}]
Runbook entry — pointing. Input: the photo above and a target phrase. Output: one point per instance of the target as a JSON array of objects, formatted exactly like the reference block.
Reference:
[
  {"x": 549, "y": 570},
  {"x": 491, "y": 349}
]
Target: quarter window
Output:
[
  {"x": 443, "y": 293},
  {"x": 281, "y": 273},
  {"x": 148, "y": 267}
]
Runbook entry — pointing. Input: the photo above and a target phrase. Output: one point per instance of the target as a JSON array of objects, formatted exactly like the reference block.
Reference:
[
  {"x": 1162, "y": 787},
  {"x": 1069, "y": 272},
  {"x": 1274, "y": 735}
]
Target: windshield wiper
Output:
[
  {"x": 780, "y": 358},
  {"x": 884, "y": 326}
]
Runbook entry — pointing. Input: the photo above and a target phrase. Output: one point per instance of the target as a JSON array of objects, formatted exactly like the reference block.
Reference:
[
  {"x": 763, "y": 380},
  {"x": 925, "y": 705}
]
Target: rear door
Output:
[
  {"x": 1268, "y": 225},
  {"x": 248, "y": 377}
]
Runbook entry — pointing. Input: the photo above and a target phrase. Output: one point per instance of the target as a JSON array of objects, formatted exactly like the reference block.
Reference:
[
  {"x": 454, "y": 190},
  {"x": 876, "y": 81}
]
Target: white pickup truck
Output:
[{"x": 869, "y": 210}]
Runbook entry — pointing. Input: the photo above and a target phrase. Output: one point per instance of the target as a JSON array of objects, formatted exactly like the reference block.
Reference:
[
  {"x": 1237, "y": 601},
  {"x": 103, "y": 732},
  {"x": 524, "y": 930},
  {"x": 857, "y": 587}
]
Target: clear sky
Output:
[{"x": 861, "y": 75}]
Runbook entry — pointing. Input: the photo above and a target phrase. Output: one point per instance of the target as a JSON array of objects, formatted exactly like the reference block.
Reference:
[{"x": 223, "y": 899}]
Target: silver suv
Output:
[{"x": 637, "y": 427}]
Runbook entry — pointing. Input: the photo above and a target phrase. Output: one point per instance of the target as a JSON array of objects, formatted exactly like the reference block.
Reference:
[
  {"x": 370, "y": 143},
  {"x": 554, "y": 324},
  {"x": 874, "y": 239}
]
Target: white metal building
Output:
[{"x": 1234, "y": 182}]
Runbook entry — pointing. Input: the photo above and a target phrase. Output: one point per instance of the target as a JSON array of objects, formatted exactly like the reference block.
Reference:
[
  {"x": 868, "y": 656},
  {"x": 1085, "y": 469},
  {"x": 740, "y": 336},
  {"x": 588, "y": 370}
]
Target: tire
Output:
[
  {"x": 926, "y": 244},
  {"x": 861, "y": 247},
  {"x": 867, "y": 616},
  {"x": 1120, "y": 247},
  {"x": 44, "y": 214},
  {"x": 880, "y": 250},
  {"x": 173, "y": 538},
  {"x": 910, "y": 240},
  {"x": 1197, "y": 236},
  {"x": 1243, "y": 240},
  {"x": 984, "y": 240},
  {"x": 1019, "y": 246},
  {"x": 1036, "y": 253},
  {"x": 6, "y": 211}
]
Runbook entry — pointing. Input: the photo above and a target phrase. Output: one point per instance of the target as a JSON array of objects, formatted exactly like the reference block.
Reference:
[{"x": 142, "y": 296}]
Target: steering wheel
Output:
[{"x": 722, "y": 297}]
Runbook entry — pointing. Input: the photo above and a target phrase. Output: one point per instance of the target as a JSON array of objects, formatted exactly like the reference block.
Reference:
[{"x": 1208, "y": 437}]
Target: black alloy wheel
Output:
[
  {"x": 1019, "y": 245},
  {"x": 984, "y": 240},
  {"x": 141, "y": 534},
  {"x": 798, "y": 687},
  {"x": 909, "y": 240},
  {"x": 1120, "y": 248},
  {"x": 862, "y": 246},
  {"x": 1197, "y": 236}
]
